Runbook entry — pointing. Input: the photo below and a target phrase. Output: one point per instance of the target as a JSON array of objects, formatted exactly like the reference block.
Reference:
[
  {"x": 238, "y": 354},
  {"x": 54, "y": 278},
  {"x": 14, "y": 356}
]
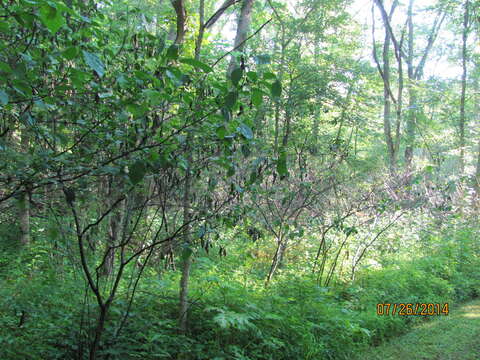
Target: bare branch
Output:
[{"x": 213, "y": 19}]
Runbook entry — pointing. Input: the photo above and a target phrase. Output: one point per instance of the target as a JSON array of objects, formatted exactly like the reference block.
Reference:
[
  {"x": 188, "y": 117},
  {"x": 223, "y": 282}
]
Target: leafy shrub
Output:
[{"x": 293, "y": 319}]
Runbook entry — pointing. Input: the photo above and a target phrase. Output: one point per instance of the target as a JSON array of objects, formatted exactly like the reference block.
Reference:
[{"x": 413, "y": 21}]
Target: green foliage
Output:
[
  {"x": 38, "y": 313},
  {"x": 3, "y": 97},
  {"x": 282, "y": 169},
  {"x": 137, "y": 171},
  {"x": 94, "y": 63},
  {"x": 295, "y": 318},
  {"x": 197, "y": 64},
  {"x": 236, "y": 75},
  {"x": 51, "y": 16},
  {"x": 276, "y": 89}
]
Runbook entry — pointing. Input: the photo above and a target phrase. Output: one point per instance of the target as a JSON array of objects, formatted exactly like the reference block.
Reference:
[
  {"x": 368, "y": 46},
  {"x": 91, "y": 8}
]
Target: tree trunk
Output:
[
  {"x": 392, "y": 147},
  {"x": 276, "y": 259},
  {"x": 24, "y": 213},
  {"x": 335, "y": 261},
  {"x": 24, "y": 218},
  {"x": 201, "y": 29},
  {"x": 477, "y": 114},
  {"x": 243, "y": 26},
  {"x": 114, "y": 222},
  {"x": 171, "y": 32},
  {"x": 411, "y": 119},
  {"x": 464, "y": 88},
  {"x": 98, "y": 332},
  {"x": 387, "y": 129},
  {"x": 179, "y": 7},
  {"x": 415, "y": 74},
  {"x": 110, "y": 245},
  {"x": 259, "y": 121},
  {"x": 186, "y": 254},
  {"x": 288, "y": 120},
  {"x": 186, "y": 203},
  {"x": 277, "y": 101},
  {"x": 184, "y": 282}
]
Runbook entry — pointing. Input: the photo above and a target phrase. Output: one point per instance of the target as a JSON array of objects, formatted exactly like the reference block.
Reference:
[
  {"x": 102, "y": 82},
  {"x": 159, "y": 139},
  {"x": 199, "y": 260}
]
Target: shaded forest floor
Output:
[{"x": 453, "y": 337}]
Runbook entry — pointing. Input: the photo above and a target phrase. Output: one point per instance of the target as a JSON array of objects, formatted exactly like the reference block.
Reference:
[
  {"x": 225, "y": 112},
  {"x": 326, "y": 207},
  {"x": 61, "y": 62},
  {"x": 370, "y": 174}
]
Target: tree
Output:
[
  {"x": 243, "y": 26},
  {"x": 391, "y": 141},
  {"x": 465, "y": 31}
]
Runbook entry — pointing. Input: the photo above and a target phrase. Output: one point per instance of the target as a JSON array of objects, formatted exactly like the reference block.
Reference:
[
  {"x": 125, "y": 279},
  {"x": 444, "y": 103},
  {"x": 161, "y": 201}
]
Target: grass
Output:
[{"x": 452, "y": 337}]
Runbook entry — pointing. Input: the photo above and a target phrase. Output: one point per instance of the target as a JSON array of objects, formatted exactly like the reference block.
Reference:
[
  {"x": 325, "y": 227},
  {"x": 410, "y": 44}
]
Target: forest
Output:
[{"x": 243, "y": 179}]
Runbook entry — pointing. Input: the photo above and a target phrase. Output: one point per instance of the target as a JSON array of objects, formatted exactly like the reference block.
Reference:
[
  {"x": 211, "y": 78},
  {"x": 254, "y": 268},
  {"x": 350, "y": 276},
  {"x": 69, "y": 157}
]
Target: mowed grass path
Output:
[{"x": 452, "y": 337}]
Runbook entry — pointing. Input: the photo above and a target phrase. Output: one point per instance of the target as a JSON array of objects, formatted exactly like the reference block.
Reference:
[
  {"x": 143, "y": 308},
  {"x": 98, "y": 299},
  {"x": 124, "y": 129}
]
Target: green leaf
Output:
[
  {"x": 226, "y": 114},
  {"x": 112, "y": 170},
  {"x": 183, "y": 163},
  {"x": 365, "y": 331},
  {"x": 142, "y": 75},
  {"x": 4, "y": 27},
  {"x": 174, "y": 75},
  {"x": 94, "y": 63},
  {"x": 53, "y": 232},
  {"x": 106, "y": 94},
  {"x": 196, "y": 63},
  {"x": 350, "y": 230},
  {"x": 3, "y": 98},
  {"x": 78, "y": 78},
  {"x": 282, "y": 164},
  {"x": 269, "y": 76},
  {"x": 154, "y": 96},
  {"x": 62, "y": 7},
  {"x": 172, "y": 52},
  {"x": 236, "y": 75},
  {"x": 25, "y": 19},
  {"x": 136, "y": 172},
  {"x": 257, "y": 97},
  {"x": 70, "y": 53},
  {"x": 276, "y": 89},
  {"x": 153, "y": 156},
  {"x": 22, "y": 88},
  {"x": 262, "y": 59},
  {"x": 245, "y": 150},
  {"x": 186, "y": 253},
  {"x": 164, "y": 161},
  {"x": 429, "y": 169},
  {"x": 51, "y": 18},
  {"x": 161, "y": 45},
  {"x": 221, "y": 132},
  {"x": 230, "y": 99},
  {"x": 252, "y": 75},
  {"x": 253, "y": 177},
  {"x": 4, "y": 67},
  {"x": 245, "y": 131}
]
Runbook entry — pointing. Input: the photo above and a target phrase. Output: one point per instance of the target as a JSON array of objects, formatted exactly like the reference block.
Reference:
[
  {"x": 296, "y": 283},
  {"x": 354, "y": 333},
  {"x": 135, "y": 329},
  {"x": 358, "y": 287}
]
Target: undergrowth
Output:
[{"x": 294, "y": 318}]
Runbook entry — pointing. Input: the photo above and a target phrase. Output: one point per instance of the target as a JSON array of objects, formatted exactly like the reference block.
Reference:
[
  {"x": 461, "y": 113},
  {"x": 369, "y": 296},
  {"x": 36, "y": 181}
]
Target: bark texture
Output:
[{"x": 243, "y": 26}]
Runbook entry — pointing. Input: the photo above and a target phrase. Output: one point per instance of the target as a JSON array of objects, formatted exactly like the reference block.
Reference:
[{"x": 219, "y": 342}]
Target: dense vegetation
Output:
[{"x": 245, "y": 180}]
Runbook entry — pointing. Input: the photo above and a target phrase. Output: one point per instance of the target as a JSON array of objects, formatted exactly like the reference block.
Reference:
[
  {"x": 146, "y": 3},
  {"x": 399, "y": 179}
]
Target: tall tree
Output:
[
  {"x": 179, "y": 6},
  {"x": 414, "y": 73},
  {"x": 243, "y": 27},
  {"x": 24, "y": 203},
  {"x": 465, "y": 31},
  {"x": 476, "y": 99},
  {"x": 412, "y": 92},
  {"x": 392, "y": 141}
]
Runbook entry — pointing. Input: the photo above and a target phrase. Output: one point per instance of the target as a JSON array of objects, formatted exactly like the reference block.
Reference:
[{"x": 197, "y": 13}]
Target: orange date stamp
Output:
[{"x": 412, "y": 309}]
